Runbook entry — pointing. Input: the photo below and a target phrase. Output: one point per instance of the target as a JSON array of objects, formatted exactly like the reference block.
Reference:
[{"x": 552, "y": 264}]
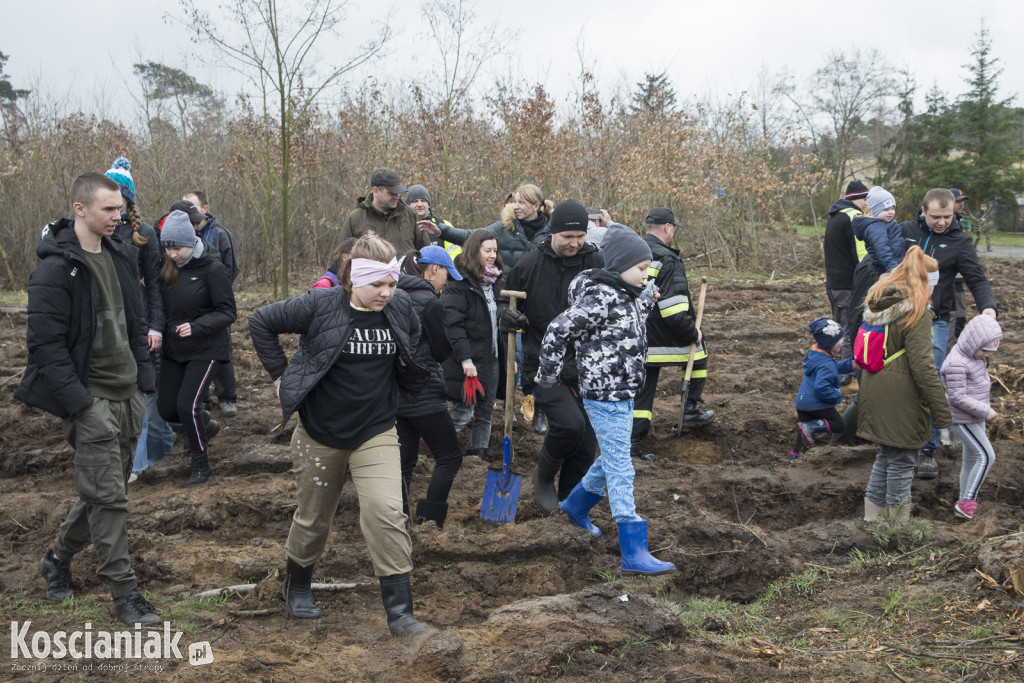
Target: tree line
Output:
[{"x": 282, "y": 163}]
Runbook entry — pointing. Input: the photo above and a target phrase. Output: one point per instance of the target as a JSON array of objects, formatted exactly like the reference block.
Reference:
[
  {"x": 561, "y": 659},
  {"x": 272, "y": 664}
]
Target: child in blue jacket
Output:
[
  {"x": 819, "y": 391},
  {"x": 882, "y": 235}
]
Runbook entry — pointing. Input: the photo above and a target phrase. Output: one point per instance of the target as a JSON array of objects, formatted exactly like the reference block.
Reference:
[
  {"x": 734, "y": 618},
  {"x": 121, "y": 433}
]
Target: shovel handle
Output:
[
  {"x": 510, "y": 363},
  {"x": 693, "y": 351}
]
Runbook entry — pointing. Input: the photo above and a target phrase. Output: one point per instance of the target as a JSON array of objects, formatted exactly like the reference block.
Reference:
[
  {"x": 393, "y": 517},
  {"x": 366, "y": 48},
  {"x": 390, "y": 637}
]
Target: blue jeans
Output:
[
  {"x": 613, "y": 425},
  {"x": 940, "y": 340},
  {"x": 156, "y": 441}
]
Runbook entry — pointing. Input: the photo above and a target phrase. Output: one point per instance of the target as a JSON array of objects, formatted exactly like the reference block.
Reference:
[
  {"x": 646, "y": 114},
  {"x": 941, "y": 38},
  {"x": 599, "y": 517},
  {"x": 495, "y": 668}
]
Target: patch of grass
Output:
[
  {"x": 633, "y": 643},
  {"x": 859, "y": 558},
  {"x": 182, "y": 610},
  {"x": 800, "y": 640},
  {"x": 794, "y": 584},
  {"x": 607, "y": 577},
  {"x": 17, "y": 297},
  {"x": 847, "y": 621},
  {"x": 907, "y": 533},
  {"x": 592, "y": 649},
  {"x": 71, "y": 608},
  {"x": 892, "y": 603},
  {"x": 979, "y": 632}
]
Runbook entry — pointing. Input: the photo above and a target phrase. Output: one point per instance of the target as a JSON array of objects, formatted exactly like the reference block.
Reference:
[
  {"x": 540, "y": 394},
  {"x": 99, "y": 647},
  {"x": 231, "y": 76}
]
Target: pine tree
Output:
[{"x": 654, "y": 95}]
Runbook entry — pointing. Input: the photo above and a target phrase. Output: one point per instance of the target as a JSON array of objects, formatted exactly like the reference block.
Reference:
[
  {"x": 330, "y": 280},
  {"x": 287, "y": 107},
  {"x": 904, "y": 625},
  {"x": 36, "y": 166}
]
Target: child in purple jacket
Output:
[{"x": 965, "y": 377}]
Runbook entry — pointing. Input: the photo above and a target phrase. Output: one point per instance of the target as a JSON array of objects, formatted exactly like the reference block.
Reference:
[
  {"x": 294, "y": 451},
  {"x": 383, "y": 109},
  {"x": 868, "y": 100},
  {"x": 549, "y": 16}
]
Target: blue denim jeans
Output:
[
  {"x": 613, "y": 425},
  {"x": 940, "y": 339},
  {"x": 156, "y": 441}
]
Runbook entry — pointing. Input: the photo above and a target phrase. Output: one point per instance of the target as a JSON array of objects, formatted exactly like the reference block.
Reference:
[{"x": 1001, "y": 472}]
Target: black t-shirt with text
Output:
[{"x": 358, "y": 397}]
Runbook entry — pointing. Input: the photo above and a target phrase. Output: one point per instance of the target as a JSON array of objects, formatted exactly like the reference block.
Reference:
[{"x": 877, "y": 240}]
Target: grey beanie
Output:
[
  {"x": 623, "y": 249},
  {"x": 417, "y": 192},
  {"x": 178, "y": 231},
  {"x": 879, "y": 199}
]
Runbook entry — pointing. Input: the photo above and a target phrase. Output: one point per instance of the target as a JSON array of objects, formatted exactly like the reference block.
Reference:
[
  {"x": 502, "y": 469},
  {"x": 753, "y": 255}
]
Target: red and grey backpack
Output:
[{"x": 869, "y": 347}]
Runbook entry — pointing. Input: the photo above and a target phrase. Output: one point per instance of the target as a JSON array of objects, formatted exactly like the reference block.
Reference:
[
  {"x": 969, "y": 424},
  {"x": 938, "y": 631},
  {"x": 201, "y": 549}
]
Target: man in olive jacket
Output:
[
  {"x": 89, "y": 364},
  {"x": 384, "y": 214}
]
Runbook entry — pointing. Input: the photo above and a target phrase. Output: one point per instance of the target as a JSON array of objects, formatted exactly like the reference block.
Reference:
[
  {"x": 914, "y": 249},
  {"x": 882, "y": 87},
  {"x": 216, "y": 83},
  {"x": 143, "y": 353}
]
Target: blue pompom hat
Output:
[{"x": 121, "y": 173}]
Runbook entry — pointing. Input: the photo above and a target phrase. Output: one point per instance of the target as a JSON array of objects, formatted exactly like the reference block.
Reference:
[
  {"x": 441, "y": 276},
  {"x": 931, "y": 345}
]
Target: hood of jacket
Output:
[
  {"x": 413, "y": 283},
  {"x": 58, "y": 238},
  {"x": 840, "y": 205},
  {"x": 981, "y": 331},
  {"x": 892, "y": 306}
]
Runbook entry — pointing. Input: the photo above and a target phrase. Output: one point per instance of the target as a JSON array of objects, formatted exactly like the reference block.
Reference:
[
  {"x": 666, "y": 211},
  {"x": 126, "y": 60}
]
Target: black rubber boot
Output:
[
  {"x": 850, "y": 418},
  {"x": 693, "y": 415},
  {"x": 431, "y": 511},
  {"x": 297, "y": 592},
  {"x": 544, "y": 482},
  {"x": 396, "y": 593},
  {"x": 201, "y": 471}
]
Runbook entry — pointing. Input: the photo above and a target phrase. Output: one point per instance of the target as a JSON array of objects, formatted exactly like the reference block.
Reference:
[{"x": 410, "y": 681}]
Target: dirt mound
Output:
[{"x": 773, "y": 563}]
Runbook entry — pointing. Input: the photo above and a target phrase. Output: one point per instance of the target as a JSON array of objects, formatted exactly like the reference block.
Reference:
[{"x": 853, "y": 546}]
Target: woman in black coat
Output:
[
  {"x": 424, "y": 274},
  {"x": 199, "y": 306},
  {"x": 471, "y": 309}
]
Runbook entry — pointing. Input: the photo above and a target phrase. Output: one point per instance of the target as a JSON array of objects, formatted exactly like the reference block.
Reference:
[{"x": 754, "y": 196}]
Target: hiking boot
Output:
[
  {"x": 636, "y": 452},
  {"x": 200, "y": 472},
  {"x": 966, "y": 508},
  {"x": 693, "y": 415},
  {"x": 58, "y": 576},
  {"x": 927, "y": 468},
  {"x": 132, "y": 608},
  {"x": 228, "y": 408}
]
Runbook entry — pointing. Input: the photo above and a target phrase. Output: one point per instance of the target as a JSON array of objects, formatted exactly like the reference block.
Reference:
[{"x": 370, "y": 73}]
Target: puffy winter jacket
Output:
[
  {"x": 965, "y": 377},
  {"x": 819, "y": 388},
  {"x": 954, "y": 251},
  {"x": 223, "y": 242},
  {"x": 606, "y": 321},
  {"x": 842, "y": 249},
  {"x": 150, "y": 257},
  {"x": 513, "y": 243},
  {"x": 397, "y": 226},
  {"x": 545, "y": 277},
  {"x": 672, "y": 326},
  {"x": 469, "y": 327},
  {"x": 62, "y": 322},
  {"x": 883, "y": 239},
  {"x": 433, "y": 349},
  {"x": 895, "y": 404},
  {"x": 203, "y": 298},
  {"x": 323, "y": 319}
]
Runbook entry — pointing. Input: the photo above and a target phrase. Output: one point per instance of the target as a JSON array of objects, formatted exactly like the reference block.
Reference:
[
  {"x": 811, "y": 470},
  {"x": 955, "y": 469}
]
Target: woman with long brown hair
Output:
[{"x": 898, "y": 401}]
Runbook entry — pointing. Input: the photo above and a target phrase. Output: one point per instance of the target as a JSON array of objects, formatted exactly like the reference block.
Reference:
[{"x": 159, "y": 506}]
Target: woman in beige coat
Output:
[{"x": 898, "y": 402}]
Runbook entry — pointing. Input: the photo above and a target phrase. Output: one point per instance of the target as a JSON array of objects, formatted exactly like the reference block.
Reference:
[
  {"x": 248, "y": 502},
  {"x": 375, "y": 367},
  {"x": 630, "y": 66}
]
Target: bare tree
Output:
[{"x": 276, "y": 51}]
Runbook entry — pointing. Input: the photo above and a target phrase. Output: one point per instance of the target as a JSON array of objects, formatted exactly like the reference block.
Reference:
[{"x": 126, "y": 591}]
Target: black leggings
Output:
[
  {"x": 181, "y": 397},
  {"x": 438, "y": 433},
  {"x": 831, "y": 416}
]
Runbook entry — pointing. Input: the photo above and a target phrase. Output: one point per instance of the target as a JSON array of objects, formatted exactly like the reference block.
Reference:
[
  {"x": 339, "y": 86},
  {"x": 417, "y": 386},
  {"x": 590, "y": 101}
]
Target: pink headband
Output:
[{"x": 366, "y": 271}]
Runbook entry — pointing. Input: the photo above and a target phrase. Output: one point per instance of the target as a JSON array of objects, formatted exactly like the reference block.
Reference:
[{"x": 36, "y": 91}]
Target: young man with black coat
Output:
[
  {"x": 842, "y": 253},
  {"x": 89, "y": 365}
]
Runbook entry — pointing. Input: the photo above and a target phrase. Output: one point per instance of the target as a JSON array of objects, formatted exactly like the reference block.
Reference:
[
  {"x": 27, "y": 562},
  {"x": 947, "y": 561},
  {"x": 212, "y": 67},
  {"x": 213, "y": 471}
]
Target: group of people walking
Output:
[{"x": 413, "y": 311}]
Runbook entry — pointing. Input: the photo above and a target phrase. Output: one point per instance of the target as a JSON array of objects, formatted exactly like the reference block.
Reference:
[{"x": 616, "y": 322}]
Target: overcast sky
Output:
[{"x": 85, "y": 49}]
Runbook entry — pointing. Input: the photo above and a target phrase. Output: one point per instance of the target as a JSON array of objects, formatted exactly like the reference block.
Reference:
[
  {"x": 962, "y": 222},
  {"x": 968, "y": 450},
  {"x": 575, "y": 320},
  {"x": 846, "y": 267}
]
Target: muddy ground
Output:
[{"x": 541, "y": 598}]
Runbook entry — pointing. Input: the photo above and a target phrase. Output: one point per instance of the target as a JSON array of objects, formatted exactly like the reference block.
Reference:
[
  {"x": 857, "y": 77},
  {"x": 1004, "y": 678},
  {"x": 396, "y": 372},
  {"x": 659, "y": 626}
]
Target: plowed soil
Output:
[{"x": 540, "y": 598}]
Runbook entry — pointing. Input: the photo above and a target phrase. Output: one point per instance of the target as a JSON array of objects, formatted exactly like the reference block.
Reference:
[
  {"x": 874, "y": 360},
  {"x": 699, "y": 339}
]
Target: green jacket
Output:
[
  {"x": 397, "y": 227},
  {"x": 896, "y": 403},
  {"x": 512, "y": 241}
]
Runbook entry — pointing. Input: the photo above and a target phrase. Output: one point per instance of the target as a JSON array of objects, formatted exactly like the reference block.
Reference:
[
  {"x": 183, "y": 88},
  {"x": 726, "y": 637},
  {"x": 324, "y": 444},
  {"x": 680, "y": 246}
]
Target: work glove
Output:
[
  {"x": 512, "y": 321},
  {"x": 471, "y": 387}
]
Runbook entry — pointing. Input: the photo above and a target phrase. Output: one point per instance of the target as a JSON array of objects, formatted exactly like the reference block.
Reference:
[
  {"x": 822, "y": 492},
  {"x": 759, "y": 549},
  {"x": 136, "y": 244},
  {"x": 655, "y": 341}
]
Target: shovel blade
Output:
[{"x": 501, "y": 492}]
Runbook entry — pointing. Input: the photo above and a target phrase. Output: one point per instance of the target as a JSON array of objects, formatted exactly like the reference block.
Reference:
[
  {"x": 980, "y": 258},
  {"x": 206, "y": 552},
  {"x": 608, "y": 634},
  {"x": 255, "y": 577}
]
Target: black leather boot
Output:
[
  {"x": 297, "y": 592},
  {"x": 693, "y": 415},
  {"x": 431, "y": 511},
  {"x": 201, "y": 471},
  {"x": 544, "y": 482},
  {"x": 540, "y": 422},
  {"x": 396, "y": 593}
]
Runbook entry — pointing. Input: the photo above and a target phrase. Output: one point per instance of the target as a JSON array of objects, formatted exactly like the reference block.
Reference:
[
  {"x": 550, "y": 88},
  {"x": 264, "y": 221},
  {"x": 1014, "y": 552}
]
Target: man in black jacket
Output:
[
  {"x": 544, "y": 274},
  {"x": 671, "y": 329},
  {"x": 88, "y": 364},
  {"x": 842, "y": 253},
  {"x": 939, "y": 235}
]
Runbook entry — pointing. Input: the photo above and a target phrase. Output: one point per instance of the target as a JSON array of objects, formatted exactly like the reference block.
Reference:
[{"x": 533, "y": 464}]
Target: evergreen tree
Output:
[
  {"x": 9, "y": 95},
  {"x": 654, "y": 95}
]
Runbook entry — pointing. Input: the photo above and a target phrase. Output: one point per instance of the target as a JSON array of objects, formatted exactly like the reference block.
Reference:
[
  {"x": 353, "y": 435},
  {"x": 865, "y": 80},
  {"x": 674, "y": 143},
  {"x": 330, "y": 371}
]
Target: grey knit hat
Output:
[
  {"x": 177, "y": 231},
  {"x": 623, "y": 249},
  {"x": 879, "y": 199},
  {"x": 417, "y": 192}
]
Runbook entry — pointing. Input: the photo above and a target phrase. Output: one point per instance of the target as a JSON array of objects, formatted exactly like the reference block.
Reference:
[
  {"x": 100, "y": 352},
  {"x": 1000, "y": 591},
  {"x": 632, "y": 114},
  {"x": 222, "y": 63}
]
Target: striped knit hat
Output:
[{"x": 121, "y": 173}]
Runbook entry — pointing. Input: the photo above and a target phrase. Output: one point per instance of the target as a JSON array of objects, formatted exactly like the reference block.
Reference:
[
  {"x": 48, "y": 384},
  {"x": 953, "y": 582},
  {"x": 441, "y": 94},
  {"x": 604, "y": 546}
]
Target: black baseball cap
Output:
[
  {"x": 662, "y": 215},
  {"x": 958, "y": 194},
  {"x": 386, "y": 177},
  {"x": 195, "y": 216}
]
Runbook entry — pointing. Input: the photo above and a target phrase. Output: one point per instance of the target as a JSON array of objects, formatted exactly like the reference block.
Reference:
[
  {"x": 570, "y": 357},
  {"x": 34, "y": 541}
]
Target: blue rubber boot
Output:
[
  {"x": 577, "y": 505},
  {"x": 636, "y": 559}
]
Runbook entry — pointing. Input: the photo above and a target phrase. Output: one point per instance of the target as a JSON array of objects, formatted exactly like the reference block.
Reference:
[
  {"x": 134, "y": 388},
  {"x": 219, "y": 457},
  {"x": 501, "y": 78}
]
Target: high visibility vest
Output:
[{"x": 862, "y": 249}]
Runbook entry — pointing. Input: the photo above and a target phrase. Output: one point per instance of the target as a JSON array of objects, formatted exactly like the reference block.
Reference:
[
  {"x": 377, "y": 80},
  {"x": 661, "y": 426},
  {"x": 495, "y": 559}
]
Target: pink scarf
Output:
[{"x": 491, "y": 273}]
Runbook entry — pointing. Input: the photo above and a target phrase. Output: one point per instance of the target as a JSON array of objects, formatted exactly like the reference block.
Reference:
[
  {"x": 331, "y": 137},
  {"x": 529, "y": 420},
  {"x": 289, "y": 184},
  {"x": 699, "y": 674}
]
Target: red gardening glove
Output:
[{"x": 470, "y": 388}]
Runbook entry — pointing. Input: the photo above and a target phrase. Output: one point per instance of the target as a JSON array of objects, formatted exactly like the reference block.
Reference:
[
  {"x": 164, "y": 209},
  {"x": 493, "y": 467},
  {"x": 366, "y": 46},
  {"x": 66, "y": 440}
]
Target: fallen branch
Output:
[
  {"x": 253, "y": 612},
  {"x": 243, "y": 588}
]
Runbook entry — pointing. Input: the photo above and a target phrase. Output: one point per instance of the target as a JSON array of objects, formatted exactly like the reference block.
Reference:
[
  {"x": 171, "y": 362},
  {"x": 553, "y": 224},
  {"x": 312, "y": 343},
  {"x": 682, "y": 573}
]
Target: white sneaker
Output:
[{"x": 133, "y": 477}]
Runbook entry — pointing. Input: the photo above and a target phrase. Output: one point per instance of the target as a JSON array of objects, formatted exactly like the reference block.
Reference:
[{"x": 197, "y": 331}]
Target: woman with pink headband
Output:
[{"x": 355, "y": 354}]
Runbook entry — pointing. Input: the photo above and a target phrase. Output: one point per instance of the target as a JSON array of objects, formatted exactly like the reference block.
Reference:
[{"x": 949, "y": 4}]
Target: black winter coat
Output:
[
  {"x": 202, "y": 297},
  {"x": 150, "y": 257},
  {"x": 672, "y": 325},
  {"x": 469, "y": 328},
  {"x": 954, "y": 250},
  {"x": 323, "y": 319},
  {"x": 433, "y": 349},
  {"x": 840, "y": 246},
  {"x": 545, "y": 278},
  {"x": 62, "y": 322},
  {"x": 223, "y": 242}
]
